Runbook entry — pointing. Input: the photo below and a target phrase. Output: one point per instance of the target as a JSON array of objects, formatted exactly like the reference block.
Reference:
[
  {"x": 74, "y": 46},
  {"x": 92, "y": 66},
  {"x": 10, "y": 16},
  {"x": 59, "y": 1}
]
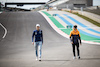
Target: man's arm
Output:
[
  {"x": 80, "y": 38},
  {"x": 70, "y": 37},
  {"x": 33, "y": 37},
  {"x": 42, "y": 36}
]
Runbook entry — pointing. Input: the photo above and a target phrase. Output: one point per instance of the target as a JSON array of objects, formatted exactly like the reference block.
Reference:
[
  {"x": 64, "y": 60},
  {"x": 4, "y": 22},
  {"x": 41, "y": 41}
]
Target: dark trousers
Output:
[{"x": 73, "y": 46}]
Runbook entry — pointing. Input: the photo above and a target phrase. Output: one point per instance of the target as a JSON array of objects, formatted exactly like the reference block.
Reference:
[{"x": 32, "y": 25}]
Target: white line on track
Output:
[{"x": 5, "y": 31}]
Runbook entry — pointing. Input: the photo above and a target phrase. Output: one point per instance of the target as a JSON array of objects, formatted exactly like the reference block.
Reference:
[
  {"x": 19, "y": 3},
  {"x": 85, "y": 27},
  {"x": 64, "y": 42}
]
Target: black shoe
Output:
[
  {"x": 39, "y": 59},
  {"x": 78, "y": 57}
]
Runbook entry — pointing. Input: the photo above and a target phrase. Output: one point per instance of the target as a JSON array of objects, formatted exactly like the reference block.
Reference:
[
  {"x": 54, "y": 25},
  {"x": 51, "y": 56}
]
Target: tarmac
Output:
[{"x": 16, "y": 49}]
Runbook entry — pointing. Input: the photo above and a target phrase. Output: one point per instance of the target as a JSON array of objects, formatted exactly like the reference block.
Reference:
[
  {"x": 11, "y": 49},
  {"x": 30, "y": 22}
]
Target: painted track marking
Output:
[{"x": 5, "y": 31}]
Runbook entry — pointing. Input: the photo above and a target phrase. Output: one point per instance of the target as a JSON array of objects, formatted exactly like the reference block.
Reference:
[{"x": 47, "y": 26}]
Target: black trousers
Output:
[{"x": 78, "y": 52}]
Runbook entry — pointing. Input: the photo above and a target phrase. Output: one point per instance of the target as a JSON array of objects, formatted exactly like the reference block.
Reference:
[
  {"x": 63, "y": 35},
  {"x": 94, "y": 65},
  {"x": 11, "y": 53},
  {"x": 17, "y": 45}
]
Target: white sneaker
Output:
[
  {"x": 36, "y": 58},
  {"x": 39, "y": 59},
  {"x": 74, "y": 57}
]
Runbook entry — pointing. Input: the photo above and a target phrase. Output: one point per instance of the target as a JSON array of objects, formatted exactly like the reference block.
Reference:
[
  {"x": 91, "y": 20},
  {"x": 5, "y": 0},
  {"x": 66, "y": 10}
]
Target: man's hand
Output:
[
  {"x": 80, "y": 44},
  {"x": 33, "y": 43},
  {"x": 72, "y": 42}
]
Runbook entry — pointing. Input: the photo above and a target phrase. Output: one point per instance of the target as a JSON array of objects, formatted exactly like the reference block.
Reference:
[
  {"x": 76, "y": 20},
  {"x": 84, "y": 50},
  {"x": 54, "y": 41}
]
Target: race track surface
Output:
[{"x": 16, "y": 49}]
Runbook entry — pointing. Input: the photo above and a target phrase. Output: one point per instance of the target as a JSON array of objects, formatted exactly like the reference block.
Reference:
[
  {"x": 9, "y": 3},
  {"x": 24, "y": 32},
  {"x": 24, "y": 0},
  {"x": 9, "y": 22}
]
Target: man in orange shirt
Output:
[{"x": 75, "y": 39}]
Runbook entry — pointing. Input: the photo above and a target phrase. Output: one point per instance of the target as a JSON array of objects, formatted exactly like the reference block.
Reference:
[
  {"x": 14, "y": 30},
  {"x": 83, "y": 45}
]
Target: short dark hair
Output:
[{"x": 75, "y": 26}]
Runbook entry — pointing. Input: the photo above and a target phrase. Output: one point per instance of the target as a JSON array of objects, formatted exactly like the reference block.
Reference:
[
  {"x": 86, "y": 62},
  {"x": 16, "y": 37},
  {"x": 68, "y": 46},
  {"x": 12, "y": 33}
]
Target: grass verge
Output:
[{"x": 88, "y": 19}]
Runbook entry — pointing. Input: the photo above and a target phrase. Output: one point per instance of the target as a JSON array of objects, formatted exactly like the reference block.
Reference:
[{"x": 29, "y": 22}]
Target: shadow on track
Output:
[{"x": 55, "y": 60}]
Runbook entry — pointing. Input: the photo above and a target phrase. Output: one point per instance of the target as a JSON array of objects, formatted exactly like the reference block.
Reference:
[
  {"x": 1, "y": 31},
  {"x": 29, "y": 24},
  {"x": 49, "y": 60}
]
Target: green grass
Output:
[{"x": 88, "y": 19}]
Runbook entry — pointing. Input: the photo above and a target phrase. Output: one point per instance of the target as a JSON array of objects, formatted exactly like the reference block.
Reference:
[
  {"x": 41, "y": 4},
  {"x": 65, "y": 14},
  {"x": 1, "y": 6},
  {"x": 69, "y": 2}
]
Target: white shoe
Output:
[
  {"x": 74, "y": 57},
  {"x": 36, "y": 58},
  {"x": 39, "y": 59}
]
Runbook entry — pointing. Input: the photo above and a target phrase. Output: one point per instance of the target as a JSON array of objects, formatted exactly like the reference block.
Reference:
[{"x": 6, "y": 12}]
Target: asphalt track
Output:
[{"x": 16, "y": 49}]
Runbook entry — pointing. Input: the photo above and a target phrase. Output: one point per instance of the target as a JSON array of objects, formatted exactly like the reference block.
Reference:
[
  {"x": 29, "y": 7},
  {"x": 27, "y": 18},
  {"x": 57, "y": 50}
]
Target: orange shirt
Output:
[
  {"x": 75, "y": 36},
  {"x": 73, "y": 32}
]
